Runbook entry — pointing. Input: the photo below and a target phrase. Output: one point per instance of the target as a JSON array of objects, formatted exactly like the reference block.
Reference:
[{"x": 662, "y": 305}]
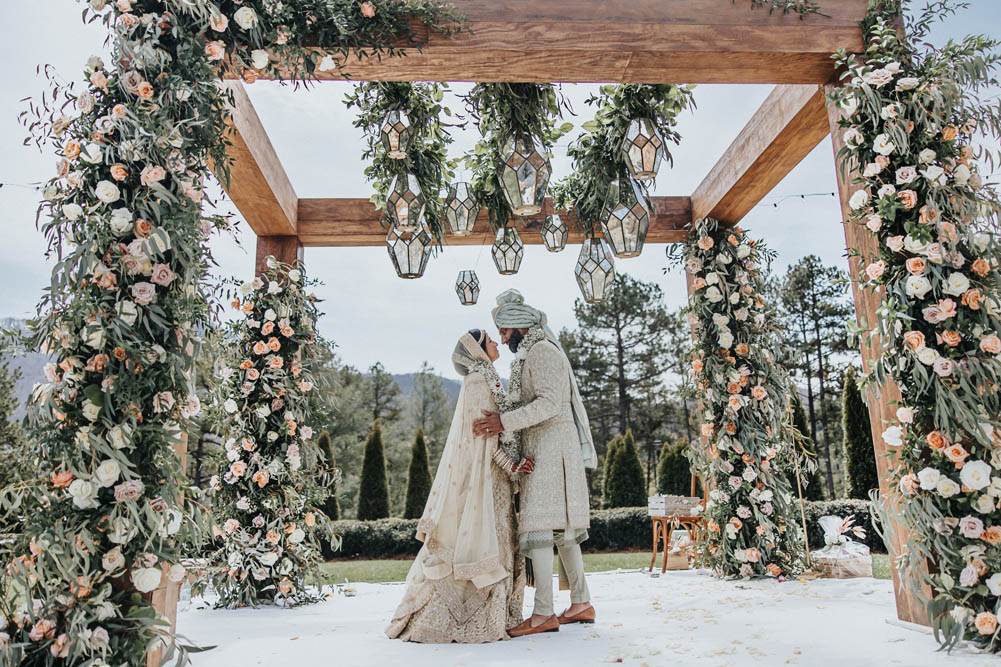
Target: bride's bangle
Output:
[{"x": 504, "y": 461}]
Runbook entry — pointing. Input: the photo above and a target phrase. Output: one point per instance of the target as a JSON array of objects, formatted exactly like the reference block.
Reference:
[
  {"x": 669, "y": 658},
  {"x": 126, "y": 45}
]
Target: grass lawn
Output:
[{"x": 396, "y": 570}]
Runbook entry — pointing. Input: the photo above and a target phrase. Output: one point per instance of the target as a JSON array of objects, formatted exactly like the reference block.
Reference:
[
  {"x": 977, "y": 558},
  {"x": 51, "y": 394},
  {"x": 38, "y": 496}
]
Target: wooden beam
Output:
[
  {"x": 644, "y": 41},
  {"x": 356, "y": 222},
  {"x": 286, "y": 249},
  {"x": 881, "y": 408},
  {"x": 788, "y": 125},
  {"x": 258, "y": 184}
]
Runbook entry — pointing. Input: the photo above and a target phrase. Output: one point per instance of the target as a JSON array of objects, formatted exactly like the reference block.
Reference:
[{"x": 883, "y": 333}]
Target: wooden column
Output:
[
  {"x": 286, "y": 249},
  {"x": 881, "y": 408}
]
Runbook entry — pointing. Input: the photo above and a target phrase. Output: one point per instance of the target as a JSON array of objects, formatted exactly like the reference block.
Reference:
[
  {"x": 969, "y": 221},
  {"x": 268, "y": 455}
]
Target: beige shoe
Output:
[
  {"x": 582, "y": 616},
  {"x": 551, "y": 624}
]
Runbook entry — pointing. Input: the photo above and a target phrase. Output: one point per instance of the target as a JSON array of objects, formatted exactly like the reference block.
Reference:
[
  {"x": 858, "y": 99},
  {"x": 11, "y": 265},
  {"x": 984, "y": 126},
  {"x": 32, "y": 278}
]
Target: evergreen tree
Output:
[
  {"x": 332, "y": 506},
  {"x": 626, "y": 484},
  {"x": 373, "y": 490},
  {"x": 611, "y": 449},
  {"x": 674, "y": 472},
  {"x": 860, "y": 459},
  {"x": 418, "y": 479},
  {"x": 811, "y": 479},
  {"x": 382, "y": 394},
  {"x": 429, "y": 410}
]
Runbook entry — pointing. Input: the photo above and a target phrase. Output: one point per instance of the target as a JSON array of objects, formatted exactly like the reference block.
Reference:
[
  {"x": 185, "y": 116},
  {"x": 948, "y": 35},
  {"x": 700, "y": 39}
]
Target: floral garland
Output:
[
  {"x": 266, "y": 503},
  {"x": 123, "y": 218},
  {"x": 750, "y": 517},
  {"x": 508, "y": 441},
  {"x": 909, "y": 115}
]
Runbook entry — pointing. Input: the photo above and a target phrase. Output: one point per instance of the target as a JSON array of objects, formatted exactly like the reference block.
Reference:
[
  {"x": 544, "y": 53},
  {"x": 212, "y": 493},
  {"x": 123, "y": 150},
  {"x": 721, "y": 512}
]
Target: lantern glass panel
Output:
[
  {"x": 409, "y": 251},
  {"x": 626, "y": 220},
  {"x": 461, "y": 209},
  {"x": 508, "y": 251},
  {"x": 595, "y": 271},
  {"x": 524, "y": 176},
  {"x": 467, "y": 286},
  {"x": 405, "y": 203},
  {"x": 555, "y": 233},
  {"x": 643, "y": 149},
  {"x": 396, "y": 134}
]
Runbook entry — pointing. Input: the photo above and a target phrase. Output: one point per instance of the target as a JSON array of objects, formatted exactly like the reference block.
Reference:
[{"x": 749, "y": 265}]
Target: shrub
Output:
[
  {"x": 610, "y": 450},
  {"x": 373, "y": 489},
  {"x": 674, "y": 472},
  {"x": 418, "y": 478},
  {"x": 626, "y": 483},
  {"x": 812, "y": 489},
  {"x": 860, "y": 458}
]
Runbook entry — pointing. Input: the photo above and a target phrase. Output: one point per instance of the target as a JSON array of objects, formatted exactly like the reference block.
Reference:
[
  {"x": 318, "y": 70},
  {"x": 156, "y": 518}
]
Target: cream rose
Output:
[
  {"x": 113, "y": 560},
  {"x": 929, "y": 478},
  {"x": 127, "y": 312},
  {"x": 121, "y": 221},
  {"x": 927, "y": 156},
  {"x": 859, "y": 200},
  {"x": 956, "y": 284},
  {"x": 907, "y": 83},
  {"x": 107, "y": 472},
  {"x": 259, "y": 58},
  {"x": 83, "y": 493},
  {"x": 976, "y": 475},
  {"x": 893, "y": 436},
  {"x": 245, "y": 17},
  {"x": 928, "y": 356},
  {"x": 146, "y": 579},
  {"x": 882, "y": 144},
  {"x": 917, "y": 286},
  {"x": 906, "y": 174},
  {"x": 91, "y": 410},
  {"x": 144, "y": 293},
  {"x": 107, "y": 192},
  {"x": 946, "y": 487},
  {"x": 934, "y": 174}
]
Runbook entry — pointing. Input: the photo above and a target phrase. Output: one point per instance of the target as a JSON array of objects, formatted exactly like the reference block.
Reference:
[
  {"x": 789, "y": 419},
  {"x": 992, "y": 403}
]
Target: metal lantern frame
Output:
[
  {"x": 409, "y": 252},
  {"x": 461, "y": 209},
  {"x": 467, "y": 287},
  {"x": 626, "y": 218},
  {"x": 555, "y": 233},
  {"x": 396, "y": 134},
  {"x": 643, "y": 149},
  {"x": 508, "y": 251},
  {"x": 523, "y": 176},
  {"x": 406, "y": 203},
  {"x": 595, "y": 270}
]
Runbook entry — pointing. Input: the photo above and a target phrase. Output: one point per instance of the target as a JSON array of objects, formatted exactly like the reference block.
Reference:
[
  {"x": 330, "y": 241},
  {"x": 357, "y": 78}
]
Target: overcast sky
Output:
[{"x": 370, "y": 313}]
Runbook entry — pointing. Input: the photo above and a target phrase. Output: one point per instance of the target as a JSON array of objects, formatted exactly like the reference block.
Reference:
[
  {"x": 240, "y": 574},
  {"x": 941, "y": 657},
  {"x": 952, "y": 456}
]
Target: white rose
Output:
[
  {"x": 91, "y": 410},
  {"x": 94, "y": 338},
  {"x": 935, "y": 174},
  {"x": 295, "y": 275},
  {"x": 994, "y": 583},
  {"x": 297, "y": 536},
  {"x": 83, "y": 493},
  {"x": 273, "y": 288},
  {"x": 270, "y": 315},
  {"x": 849, "y": 104},
  {"x": 121, "y": 221},
  {"x": 230, "y": 406},
  {"x": 107, "y": 192},
  {"x": 107, "y": 473},
  {"x": 917, "y": 286},
  {"x": 886, "y": 191},
  {"x": 929, "y": 478},
  {"x": 268, "y": 558},
  {"x": 893, "y": 68},
  {"x": 245, "y": 17},
  {"x": 98, "y": 5},
  {"x": 714, "y": 295},
  {"x": 976, "y": 475},
  {"x": 176, "y": 572},
  {"x": 928, "y": 356},
  {"x": 326, "y": 64},
  {"x": 883, "y": 145},
  {"x": 726, "y": 340},
  {"x": 984, "y": 504},
  {"x": 961, "y": 174},
  {"x": 877, "y": 77},
  {"x": 907, "y": 83},
  {"x": 893, "y": 436},
  {"x": 127, "y": 312},
  {"x": 72, "y": 211},
  {"x": 926, "y": 156},
  {"x": 262, "y": 411},
  {"x": 113, "y": 560},
  {"x": 852, "y": 137},
  {"x": 259, "y": 58},
  {"x": 946, "y": 487},
  {"x": 92, "y": 153},
  {"x": 905, "y": 415},
  {"x": 859, "y": 200},
  {"x": 146, "y": 579},
  {"x": 117, "y": 437},
  {"x": 743, "y": 251},
  {"x": 956, "y": 284},
  {"x": 246, "y": 288}
]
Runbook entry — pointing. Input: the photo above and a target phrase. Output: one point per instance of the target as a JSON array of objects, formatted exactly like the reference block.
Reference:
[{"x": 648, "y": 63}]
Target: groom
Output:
[{"x": 555, "y": 432}]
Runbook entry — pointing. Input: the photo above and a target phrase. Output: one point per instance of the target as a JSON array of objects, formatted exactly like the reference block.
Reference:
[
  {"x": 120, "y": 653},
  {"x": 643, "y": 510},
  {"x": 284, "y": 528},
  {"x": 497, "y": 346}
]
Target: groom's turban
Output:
[{"x": 513, "y": 313}]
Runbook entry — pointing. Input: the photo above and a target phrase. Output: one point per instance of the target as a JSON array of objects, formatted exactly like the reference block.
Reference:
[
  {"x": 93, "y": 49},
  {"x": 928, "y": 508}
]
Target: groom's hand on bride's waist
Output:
[{"x": 490, "y": 425}]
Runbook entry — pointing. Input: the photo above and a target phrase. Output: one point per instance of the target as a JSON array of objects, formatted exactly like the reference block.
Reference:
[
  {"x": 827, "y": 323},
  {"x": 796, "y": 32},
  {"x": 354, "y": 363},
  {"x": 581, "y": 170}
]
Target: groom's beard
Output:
[{"x": 515, "y": 340}]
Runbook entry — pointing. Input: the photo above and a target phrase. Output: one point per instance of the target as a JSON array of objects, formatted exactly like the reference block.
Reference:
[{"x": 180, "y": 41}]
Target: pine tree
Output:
[
  {"x": 811, "y": 480},
  {"x": 332, "y": 506},
  {"x": 611, "y": 449},
  {"x": 860, "y": 459},
  {"x": 373, "y": 490},
  {"x": 674, "y": 472},
  {"x": 418, "y": 478},
  {"x": 626, "y": 483}
]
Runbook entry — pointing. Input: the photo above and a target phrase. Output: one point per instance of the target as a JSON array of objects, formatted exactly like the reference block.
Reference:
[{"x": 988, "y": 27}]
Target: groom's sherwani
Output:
[{"x": 554, "y": 496}]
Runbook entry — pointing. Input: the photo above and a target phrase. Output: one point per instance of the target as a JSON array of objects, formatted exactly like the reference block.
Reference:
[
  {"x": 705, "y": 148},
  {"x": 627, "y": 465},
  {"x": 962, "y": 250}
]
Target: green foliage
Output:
[
  {"x": 611, "y": 449},
  {"x": 810, "y": 477},
  {"x": 332, "y": 505},
  {"x": 626, "y": 483},
  {"x": 382, "y": 394},
  {"x": 428, "y": 410},
  {"x": 418, "y": 479},
  {"x": 373, "y": 490},
  {"x": 674, "y": 471},
  {"x": 860, "y": 458}
]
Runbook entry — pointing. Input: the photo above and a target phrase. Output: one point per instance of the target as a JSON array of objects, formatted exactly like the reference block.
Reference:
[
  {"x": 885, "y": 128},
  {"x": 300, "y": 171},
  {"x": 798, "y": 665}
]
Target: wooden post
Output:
[
  {"x": 286, "y": 249},
  {"x": 881, "y": 408}
]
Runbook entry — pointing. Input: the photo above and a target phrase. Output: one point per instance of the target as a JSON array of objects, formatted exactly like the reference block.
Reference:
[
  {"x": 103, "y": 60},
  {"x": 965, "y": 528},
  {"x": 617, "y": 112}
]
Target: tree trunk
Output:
[
  {"x": 621, "y": 377},
  {"x": 808, "y": 372},
  {"x": 829, "y": 469}
]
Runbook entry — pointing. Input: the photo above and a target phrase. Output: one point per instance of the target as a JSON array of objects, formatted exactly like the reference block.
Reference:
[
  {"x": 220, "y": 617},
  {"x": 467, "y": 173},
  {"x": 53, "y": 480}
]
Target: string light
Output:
[{"x": 781, "y": 198}]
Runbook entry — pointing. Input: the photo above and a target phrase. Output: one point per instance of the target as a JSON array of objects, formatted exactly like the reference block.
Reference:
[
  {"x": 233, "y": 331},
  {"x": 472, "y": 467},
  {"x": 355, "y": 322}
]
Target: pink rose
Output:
[
  {"x": 895, "y": 243},
  {"x": 943, "y": 367},
  {"x": 215, "y": 50},
  {"x": 144, "y": 293},
  {"x": 991, "y": 344},
  {"x": 129, "y": 491},
  {"x": 152, "y": 173},
  {"x": 368, "y": 10},
  {"x": 162, "y": 275},
  {"x": 971, "y": 527},
  {"x": 906, "y": 174},
  {"x": 875, "y": 270},
  {"x": 969, "y": 576}
]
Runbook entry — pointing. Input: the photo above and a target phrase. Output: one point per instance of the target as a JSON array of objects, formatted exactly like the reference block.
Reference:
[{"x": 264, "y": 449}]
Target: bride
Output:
[{"x": 467, "y": 584}]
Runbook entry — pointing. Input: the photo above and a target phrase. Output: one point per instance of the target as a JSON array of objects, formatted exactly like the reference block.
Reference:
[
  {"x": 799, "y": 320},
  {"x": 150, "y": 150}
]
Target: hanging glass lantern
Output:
[
  {"x": 396, "y": 134},
  {"x": 643, "y": 149},
  {"x": 523, "y": 176},
  {"x": 405, "y": 203},
  {"x": 508, "y": 251},
  {"x": 554, "y": 233},
  {"x": 626, "y": 219},
  {"x": 595, "y": 271},
  {"x": 467, "y": 286},
  {"x": 409, "y": 251},
  {"x": 461, "y": 209}
]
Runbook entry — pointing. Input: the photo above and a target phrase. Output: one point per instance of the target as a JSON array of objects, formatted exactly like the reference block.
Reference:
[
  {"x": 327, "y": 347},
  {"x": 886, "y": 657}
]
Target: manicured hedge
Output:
[{"x": 611, "y": 530}]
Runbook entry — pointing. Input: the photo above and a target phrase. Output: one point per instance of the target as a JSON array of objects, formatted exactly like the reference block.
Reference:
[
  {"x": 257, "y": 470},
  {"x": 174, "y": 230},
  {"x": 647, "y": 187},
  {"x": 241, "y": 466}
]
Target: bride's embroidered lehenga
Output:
[{"x": 467, "y": 584}]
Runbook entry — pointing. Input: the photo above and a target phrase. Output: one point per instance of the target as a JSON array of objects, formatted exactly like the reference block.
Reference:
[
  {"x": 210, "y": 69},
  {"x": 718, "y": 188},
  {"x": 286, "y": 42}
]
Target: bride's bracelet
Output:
[{"x": 504, "y": 461}]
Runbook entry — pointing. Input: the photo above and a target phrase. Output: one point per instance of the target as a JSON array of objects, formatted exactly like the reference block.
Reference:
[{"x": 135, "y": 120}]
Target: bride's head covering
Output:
[{"x": 468, "y": 350}]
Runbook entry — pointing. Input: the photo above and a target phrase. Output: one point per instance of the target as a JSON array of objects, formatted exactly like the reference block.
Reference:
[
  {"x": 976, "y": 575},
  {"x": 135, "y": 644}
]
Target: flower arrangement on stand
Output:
[
  {"x": 266, "y": 502},
  {"x": 751, "y": 527},
  {"x": 110, "y": 521},
  {"x": 914, "y": 129}
]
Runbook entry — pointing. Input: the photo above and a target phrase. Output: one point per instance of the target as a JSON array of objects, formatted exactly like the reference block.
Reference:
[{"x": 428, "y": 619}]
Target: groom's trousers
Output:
[{"x": 573, "y": 565}]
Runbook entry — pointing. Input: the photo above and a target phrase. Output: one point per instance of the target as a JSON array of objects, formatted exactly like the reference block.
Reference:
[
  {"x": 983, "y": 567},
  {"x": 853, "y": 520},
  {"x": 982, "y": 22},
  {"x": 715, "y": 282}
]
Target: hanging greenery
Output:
[
  {"x": 504, "y": 112},
  {"x": 916, "y": 128},
  {"x": 427, "y": 153},
  {"x": 596, "y": 156},
  {"x": 801, "y": 7}
]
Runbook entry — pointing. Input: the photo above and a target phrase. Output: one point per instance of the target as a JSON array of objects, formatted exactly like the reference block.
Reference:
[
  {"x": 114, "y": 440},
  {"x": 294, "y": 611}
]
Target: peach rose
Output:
[
  {"x": 238, "y": 468},
  {"x": 991, "y": 535},
  {"x": 753, "y": 555},
  {"x": 971, "y": 299},
  {"x": 736, "y": 523},
  {"x": 759, "y": 393},
  {"x": 152, "y": 173},
  {"x": 927, "y": 215},
  {"x": 253, "y": 374},
  {"x": 697, "y": 365},
  {"x": 876, "y": 269},
  {"x": 143, "y": 228},
  {"x": 72, "y": 149},
  {"x": 949, "y": 132},
  {"x": 957, "y": 454},
  {"x": 285, "y": 586},
  {"x": 986, "y": 623},
  {"x": 733, "y": 388},
  {"x": 245, "y": 364},
  {"x": 273, "y": 344},
  {"x": 908, "y": 198},
  {"x": 936, "y": 440},
  {"x": 145, "y": 90},
  {"x": 991, "y": 344},
  {"x": 368, "y": 10},
  {"x": 267, "y": 328},
  {"x": 99, "y": 80},
  {"x": 915, "y": 340},
  {"x": 260, "y": 347},
  {"x": 219, "y": 22},
  {"x": 773, "y": 569},
  {"x": 909, "y": 483},
  {"x": 310, "y": 519},
  {"x": 705, "y": 242},
  {"x": 707, "y": 430},
  {"x": 980, "y": 267},
  {"x": 916, "y": 266},
  {"x": 741, "y": 349},
  {"x": 700, "y": 282},
  {"x": 249, "y": 75},
  {"x": 215, "y": 50},
  {"x": 950, "y": 338},
  {"x": 119, "y": 172},
  {"x": 62, "y": 479},
  {"x": 276, "y": 363},
  {"x": 119, "y": 111},
  {"x": 732, "y": 240},
  {"x": 261, "y": 478}
]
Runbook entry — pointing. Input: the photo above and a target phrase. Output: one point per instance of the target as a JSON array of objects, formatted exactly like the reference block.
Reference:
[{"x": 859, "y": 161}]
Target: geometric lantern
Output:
[
  {"x": 642, "y": 149},
  {"x": 409, "y": 251},
  {"x": 467, "y": 286},
  {"x": 405, "y": 203},
  {"x": 554, "y": 233},
  {"x": 625, "y": 220},
  {"x": 395, "y": 134},
  {"x": 595, "y": 270},
  {"x": 523, "y": 176},
  {"x": 461, "y": 209},
  {"x": 508, "y": 251}
]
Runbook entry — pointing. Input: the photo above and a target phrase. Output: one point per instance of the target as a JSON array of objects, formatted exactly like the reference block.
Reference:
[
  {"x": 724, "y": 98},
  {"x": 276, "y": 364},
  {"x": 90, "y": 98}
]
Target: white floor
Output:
[{"x": 680, "y": 618}]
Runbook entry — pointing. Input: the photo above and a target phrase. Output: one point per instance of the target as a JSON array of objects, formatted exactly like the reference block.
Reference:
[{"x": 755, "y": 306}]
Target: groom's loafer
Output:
[
  {"x": 583, "y": 616},
  {"x": 551, "y": 624}
]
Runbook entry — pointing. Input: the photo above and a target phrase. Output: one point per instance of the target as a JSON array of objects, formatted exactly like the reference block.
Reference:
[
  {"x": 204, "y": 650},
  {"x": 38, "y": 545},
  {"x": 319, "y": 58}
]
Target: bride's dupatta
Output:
[{"x": 458, "y": 525}]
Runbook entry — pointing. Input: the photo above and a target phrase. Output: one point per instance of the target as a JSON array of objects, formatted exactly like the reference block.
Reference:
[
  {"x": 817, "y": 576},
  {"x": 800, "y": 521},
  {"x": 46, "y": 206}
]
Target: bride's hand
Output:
[{"x": 525, "y": 466}]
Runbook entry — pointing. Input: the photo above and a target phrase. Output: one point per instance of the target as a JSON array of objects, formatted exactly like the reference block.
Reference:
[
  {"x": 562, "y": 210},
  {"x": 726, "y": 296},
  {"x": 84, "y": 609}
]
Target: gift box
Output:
[
  {"x": 842, "y": 557},
  {"x": 674, "y": 506}
]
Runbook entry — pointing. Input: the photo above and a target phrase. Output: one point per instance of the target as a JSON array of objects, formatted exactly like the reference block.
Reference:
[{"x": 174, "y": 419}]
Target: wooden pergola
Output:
[{"x": 607, "y": 41}]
